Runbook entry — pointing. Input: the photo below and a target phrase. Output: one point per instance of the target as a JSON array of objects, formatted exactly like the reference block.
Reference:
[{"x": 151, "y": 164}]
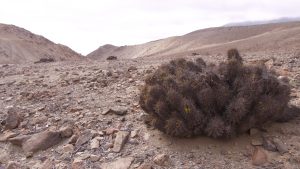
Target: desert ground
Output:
[
  {"x": 88, "y": 112},
  {"x": 84, "y": 112}
]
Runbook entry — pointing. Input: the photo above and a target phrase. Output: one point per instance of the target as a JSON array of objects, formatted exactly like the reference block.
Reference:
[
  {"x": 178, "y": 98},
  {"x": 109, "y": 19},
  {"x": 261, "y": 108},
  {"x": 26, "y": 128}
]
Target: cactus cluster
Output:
[{"x": 189, "y": 98}]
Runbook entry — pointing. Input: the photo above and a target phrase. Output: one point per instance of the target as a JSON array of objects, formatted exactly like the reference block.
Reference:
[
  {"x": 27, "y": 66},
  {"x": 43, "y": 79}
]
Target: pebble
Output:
[
  {"x": 120, "y": 140},
  {"x": 161, "y": 159}
]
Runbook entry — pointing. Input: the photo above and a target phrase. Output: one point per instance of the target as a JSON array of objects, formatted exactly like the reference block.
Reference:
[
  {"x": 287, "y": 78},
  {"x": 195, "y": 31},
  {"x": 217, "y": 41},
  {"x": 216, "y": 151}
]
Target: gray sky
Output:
[{"x": 84, "y": 25}]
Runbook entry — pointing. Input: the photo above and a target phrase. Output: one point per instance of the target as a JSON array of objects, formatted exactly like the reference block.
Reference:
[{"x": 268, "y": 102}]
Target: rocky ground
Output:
[{"x": 86, "y": 115}]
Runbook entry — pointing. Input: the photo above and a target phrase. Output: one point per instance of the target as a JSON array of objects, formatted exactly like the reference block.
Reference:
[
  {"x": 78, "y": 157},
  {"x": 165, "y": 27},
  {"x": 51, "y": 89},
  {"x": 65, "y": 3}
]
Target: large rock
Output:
[
  {"x": 122, "y": 163},
  {"x": 259, "y": 157},
  {"x": 41, "y": 141},
  {"x": 121, "y": 138}
]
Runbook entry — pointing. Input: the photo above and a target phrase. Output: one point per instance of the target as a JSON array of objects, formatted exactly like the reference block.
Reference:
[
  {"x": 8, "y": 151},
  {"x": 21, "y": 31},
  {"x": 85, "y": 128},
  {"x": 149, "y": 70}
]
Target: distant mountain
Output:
[
  {"x": 102, "y": 50},
  {"x": 250, "y": 23},
  {"x": 267, "y": 37},
  {"x": 18, "y": 45}
]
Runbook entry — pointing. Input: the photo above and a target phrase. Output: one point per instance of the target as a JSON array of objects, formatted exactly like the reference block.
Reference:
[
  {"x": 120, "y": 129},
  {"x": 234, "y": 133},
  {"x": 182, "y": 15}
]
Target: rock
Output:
[
  {"x": 132, "y": 68},
  {"x": 259, "y": 157},
  {"x": 48, "y": 164},
  {"x": 68, "y": 148},
  {"x": 145, "y": 166},
  {"x": 161, "y": 159},
  {"x": 13, "y": 165},
  {"x": 13, "y": 119},
  {"x": 73, "y": 139},
  {"x": 4, "y": 156},
  {"x": 108, "y": 145},
  {"x": 110, "y": 131},
  {"x": 257, "y": 141},
  {"x": 122, "y": 163},
  {"x": 116, "y": 110},
  {"x": 83, "y": 138},
  {"x": 268, "y": 144},
  {"x": 280, "y": 146},
  {"x": 6, "y": 135},
  {"x": 120, "y": 140},
  {"x": 94, "y": 158},
  {"x": 66, "y": 131},
  {"x": 95, "y": 144},
  {"x": 19, "y": 140},
  {"x": 78, "y": 164},
  {"x": 41, "y": 141},
  {"x": 254, "y": 132},
  {"x": 82, "y": 156},
  {"x": 134, "y": 133}
]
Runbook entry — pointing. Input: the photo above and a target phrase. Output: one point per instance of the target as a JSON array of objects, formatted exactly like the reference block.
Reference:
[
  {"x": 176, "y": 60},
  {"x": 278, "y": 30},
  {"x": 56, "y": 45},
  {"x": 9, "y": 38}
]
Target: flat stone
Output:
[
  {"x": 116, "y": 110},
  {"x": 257, "y": 141},
  {"x": 254, "y": 132},
  {"x": 259, "y": 157},
  {"x": 280, "y": 146},
  {"x": 94, "y": 158},
  {"x": 6, "y": 135},
  {"x": 120, "y": 140},
  {"x": 95, "y": 144},
  {"x": 68, "y": 148},
  {"x": 84, "y": 138},
  {"x": 41, "y": 141},
  {"x": 121, "y": 163}
]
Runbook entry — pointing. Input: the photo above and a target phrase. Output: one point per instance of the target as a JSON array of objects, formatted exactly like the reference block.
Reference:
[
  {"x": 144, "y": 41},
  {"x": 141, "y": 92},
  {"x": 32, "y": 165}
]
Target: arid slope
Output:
[
  {"x": 18, "y": 45},
  {"x": 257, "y": 38}
]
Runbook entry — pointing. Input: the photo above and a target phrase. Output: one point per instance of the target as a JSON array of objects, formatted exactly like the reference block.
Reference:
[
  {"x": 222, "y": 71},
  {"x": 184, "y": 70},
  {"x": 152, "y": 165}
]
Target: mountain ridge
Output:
[{"x": 247, "y": 38}]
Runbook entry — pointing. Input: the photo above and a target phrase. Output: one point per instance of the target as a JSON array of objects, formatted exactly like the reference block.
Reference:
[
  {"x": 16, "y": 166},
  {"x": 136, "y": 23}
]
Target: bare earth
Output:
[{"x": 85, "y": 114}]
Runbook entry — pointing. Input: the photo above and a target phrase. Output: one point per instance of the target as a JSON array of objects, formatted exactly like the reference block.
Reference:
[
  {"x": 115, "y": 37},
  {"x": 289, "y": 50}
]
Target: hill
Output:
[
  {"x": 254, "y": 38},
  {"x": 18, "y": 45}
]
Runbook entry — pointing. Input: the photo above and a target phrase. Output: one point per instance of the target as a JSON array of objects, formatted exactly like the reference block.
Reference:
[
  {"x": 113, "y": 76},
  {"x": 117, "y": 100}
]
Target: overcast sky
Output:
[{"x": 84, "y": 25}]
